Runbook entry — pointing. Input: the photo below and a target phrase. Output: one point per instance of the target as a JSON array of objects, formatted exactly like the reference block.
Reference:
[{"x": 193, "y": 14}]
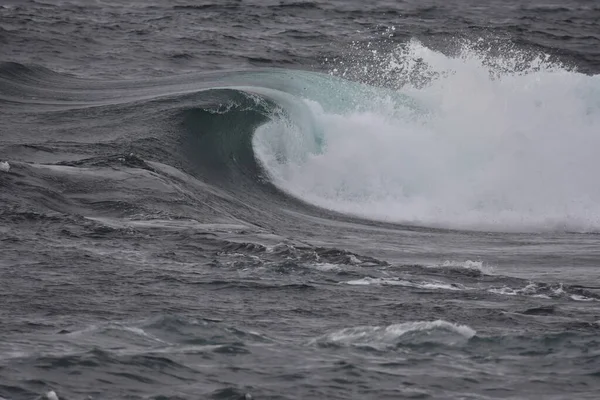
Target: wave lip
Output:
[{"x": 403, "y": 334}]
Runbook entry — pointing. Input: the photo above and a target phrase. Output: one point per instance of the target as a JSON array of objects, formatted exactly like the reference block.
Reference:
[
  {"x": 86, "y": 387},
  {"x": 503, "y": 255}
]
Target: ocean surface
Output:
[{"x": 302, "y": 199}]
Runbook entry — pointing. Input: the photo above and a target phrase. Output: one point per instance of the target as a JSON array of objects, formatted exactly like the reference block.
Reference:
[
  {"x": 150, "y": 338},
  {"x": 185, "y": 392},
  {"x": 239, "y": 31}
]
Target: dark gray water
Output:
[{"x": 299, "y": 200}]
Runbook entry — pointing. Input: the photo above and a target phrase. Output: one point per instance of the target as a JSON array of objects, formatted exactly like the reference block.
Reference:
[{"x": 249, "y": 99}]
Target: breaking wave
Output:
[{"x": 466, "y": 141}]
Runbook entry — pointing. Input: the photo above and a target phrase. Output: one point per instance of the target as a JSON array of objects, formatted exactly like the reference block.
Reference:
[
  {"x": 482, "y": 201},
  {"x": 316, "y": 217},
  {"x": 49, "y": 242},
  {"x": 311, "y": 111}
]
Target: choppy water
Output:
[{"x": 299, "y": 200}]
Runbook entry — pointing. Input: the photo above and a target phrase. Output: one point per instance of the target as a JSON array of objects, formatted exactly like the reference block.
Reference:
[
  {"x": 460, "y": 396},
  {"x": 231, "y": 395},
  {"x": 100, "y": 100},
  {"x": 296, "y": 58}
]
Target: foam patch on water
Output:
[
  {"x": 529, "y": 290},
  {"x": 327, "y": 267},
  {"x": 577, "y": 297},
  {"x": 430, "y": 285},
  {"x": 51, "y": 395},
  {"x": 378, "y": 337},
  {"x": 4, "y": 166},
  {"x": 489, "y": 141}
]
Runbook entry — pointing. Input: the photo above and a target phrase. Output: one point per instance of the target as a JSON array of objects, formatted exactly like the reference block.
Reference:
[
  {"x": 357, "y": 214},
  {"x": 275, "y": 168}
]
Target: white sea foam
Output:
[
  {"x": 529, "y": 290},
  {"x": 542, "y": 292},
  {"x": 327, "y": 267},
  {"x": 352, "y": 259},
  {"x": 488, "y": 142},
  {"x": 4, "y": 166},
  {"x": 51, "y": 395},
  {"x": 507, "y": 291},
  {"x": 363, "y": 281},
  {"x": 578, "y": 297},
  {"x": 559, "y": 291}
]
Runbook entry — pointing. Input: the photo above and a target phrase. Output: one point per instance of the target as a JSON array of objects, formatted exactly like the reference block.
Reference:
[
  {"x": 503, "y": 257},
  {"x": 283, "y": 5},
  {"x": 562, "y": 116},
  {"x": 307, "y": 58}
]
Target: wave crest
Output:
[{"x": 407, "y": 333}]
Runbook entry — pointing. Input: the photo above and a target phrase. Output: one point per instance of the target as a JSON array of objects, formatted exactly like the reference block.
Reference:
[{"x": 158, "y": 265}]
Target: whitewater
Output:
[{"x": 486, "y": 143}]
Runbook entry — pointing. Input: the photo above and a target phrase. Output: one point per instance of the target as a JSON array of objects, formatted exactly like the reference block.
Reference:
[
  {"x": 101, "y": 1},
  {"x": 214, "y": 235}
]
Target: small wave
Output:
[
  {"x": 407, "y": 333},
  {"x": 298, "y": 4},
  {"x": 12, "y": 70},
  {"x": 546, "y": 291},
  {"x": 115, "y": 331},
  {"x": 430, "y": 285},
  {"x": 305, "y": 254},
  {"x": 143, "y": 360},
  {"x": 468, "y": 266},
  {"x": 230, "y": 393}
]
